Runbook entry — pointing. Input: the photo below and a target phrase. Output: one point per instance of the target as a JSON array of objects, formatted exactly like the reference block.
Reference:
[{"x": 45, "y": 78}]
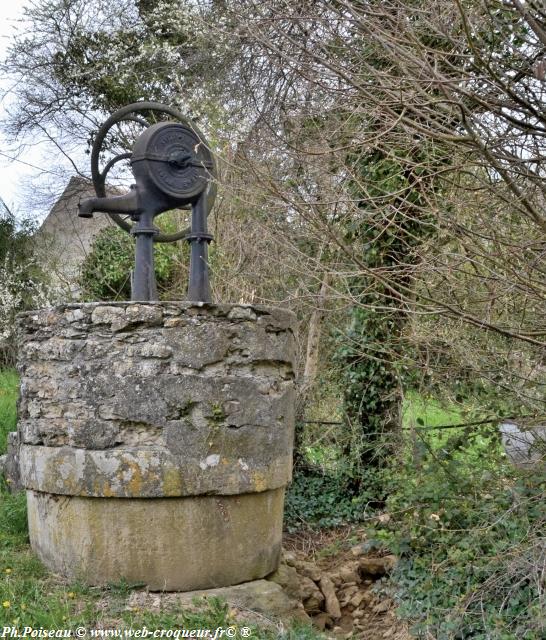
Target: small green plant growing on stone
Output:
[{"x": 218, "y": 414}]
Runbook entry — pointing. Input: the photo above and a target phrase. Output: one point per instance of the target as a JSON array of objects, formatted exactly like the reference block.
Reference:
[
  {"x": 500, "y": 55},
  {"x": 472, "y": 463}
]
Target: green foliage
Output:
[
  {"x": 467, "y": 527},
  {"x": 325, "y": 492},
  {"x": 316, "y": 501},
  {"x": 469, "y": 532},
  {"x": 23, "y": 284},
  {"x": 371, "y": 384},
  {"x": 106, "y": 272},
  {"x": 15, "y": 238},
  {"x": 322, "y": 500},
  {"x": 17, "y": 254},
  {"x": 370, "y": 348},
  {"x": 9, "y": 390}
]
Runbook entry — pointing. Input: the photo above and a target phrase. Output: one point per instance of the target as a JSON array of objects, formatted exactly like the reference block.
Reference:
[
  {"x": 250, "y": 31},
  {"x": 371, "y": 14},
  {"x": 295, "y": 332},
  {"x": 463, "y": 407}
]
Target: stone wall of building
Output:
[{"x": 64, "y": 240}]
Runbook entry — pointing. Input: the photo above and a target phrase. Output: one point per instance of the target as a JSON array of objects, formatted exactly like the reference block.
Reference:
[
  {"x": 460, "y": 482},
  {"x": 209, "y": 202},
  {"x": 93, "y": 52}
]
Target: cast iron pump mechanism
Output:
[{"x": 173, "y": 168}]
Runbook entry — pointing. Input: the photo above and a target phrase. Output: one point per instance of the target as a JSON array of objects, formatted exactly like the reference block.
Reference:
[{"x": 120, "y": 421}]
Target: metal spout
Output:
[{"x": 127, "y": 203}]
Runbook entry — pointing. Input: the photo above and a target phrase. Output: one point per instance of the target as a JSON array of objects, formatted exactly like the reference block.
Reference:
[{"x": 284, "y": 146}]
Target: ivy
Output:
[
  {"x": 468, "y": 530},
  {"x": 393, "y": 223}
]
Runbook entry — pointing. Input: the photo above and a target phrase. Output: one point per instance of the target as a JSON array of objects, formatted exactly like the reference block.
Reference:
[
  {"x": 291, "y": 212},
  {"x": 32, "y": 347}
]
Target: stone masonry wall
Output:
[{"x": 156, "y": 399}]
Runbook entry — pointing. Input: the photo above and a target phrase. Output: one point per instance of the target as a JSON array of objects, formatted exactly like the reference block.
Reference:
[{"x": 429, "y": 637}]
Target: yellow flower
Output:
[
  {"x": 8, "y": 570},
  {"x": 71, "y": 594},
  {"x": 6, "y": 604}
]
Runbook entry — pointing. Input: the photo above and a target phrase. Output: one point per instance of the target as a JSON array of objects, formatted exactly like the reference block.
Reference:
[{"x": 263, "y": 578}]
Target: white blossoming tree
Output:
[{"x": 23, "y": 285}]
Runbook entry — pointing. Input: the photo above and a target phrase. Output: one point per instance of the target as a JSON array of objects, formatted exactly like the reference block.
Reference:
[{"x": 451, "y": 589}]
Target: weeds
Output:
[
  {"x": 9, "y": 383},
  {"x": 469, "y": 530}
]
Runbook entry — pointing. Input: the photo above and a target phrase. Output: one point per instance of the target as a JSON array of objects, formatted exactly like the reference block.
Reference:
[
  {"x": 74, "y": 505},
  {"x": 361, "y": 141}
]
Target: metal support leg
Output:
[
  {"x": 144, "y": 287},
  {"x": 199, "y": 287}
]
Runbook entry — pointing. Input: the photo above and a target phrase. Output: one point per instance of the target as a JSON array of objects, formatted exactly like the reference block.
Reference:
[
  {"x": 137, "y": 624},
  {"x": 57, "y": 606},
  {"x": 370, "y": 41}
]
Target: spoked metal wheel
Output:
[{"x": 110, "y": 155}]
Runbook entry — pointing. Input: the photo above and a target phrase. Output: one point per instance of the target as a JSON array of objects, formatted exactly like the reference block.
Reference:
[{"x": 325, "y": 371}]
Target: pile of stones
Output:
[
  {"x": 340, "y": 598},
  {"x": 336, "y": 595}
]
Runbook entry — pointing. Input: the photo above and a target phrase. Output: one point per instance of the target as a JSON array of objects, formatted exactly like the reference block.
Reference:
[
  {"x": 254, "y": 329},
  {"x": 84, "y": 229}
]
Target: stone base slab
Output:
[
  {"x": 166, "y": 544},
  {"x": 262, "y": 600}
]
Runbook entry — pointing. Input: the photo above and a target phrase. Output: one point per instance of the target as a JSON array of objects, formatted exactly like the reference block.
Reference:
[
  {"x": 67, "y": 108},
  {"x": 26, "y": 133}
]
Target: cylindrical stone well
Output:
[{"x": 156, "y": 440}]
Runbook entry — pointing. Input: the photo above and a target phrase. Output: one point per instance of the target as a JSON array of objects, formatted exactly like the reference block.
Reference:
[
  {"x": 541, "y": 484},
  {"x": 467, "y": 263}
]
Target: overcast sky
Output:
[{"x": 13, "y": 173}]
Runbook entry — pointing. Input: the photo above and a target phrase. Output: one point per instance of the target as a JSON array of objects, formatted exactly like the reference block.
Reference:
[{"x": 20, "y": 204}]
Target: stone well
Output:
[{"x": 156, "y": 440}]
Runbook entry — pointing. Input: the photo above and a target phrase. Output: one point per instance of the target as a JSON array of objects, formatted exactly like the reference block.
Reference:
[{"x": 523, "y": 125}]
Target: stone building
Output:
[{"x": 64, "y": 240}]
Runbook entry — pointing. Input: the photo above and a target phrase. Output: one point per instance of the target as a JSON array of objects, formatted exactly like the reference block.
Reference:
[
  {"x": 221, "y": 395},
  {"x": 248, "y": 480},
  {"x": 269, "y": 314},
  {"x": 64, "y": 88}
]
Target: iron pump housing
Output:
[{"x": 173, "y": 168}]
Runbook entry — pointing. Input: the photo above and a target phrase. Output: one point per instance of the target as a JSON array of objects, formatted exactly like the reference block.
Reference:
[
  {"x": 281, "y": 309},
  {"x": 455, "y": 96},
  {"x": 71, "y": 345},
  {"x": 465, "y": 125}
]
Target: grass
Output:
[
  {"x": 419, "y": 411},
  {"x": 9, "y": 390}
]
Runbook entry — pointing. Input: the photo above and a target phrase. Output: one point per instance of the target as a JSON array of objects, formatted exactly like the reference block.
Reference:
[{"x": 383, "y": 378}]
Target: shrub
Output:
[
  {"x": 106, "y": 272},
  {"x": 23, "y": 285},
  {"x": 469, "y": 533}
]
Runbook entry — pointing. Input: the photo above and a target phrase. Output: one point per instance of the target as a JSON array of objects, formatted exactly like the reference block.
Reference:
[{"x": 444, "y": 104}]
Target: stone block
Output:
[
  {"x": 9, "y": 463},
  {"x": 168, "y": 544}
]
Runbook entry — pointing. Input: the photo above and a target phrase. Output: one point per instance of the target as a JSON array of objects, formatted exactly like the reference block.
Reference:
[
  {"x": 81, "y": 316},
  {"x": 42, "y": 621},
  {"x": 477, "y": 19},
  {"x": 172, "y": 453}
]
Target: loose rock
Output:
[
  {"x": 287, "y": 578},
  {"x": 358, "y": 550},
  {"x": 313, "y": 604},
  {"x": 346, "y": 623},
  {"x": 309, "y": 570},
  {"x": 308, "y": 588},
  {"x": 331, "y": 602},
  {"x": 289, "y": 558},
  {"x": 383, "y": 606},
  {"x": 323, "y": 621},
  {"x": 376, "y": 567},
  {"x": 357, "y": 599},
  {"x": 347, "y": 573}
]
